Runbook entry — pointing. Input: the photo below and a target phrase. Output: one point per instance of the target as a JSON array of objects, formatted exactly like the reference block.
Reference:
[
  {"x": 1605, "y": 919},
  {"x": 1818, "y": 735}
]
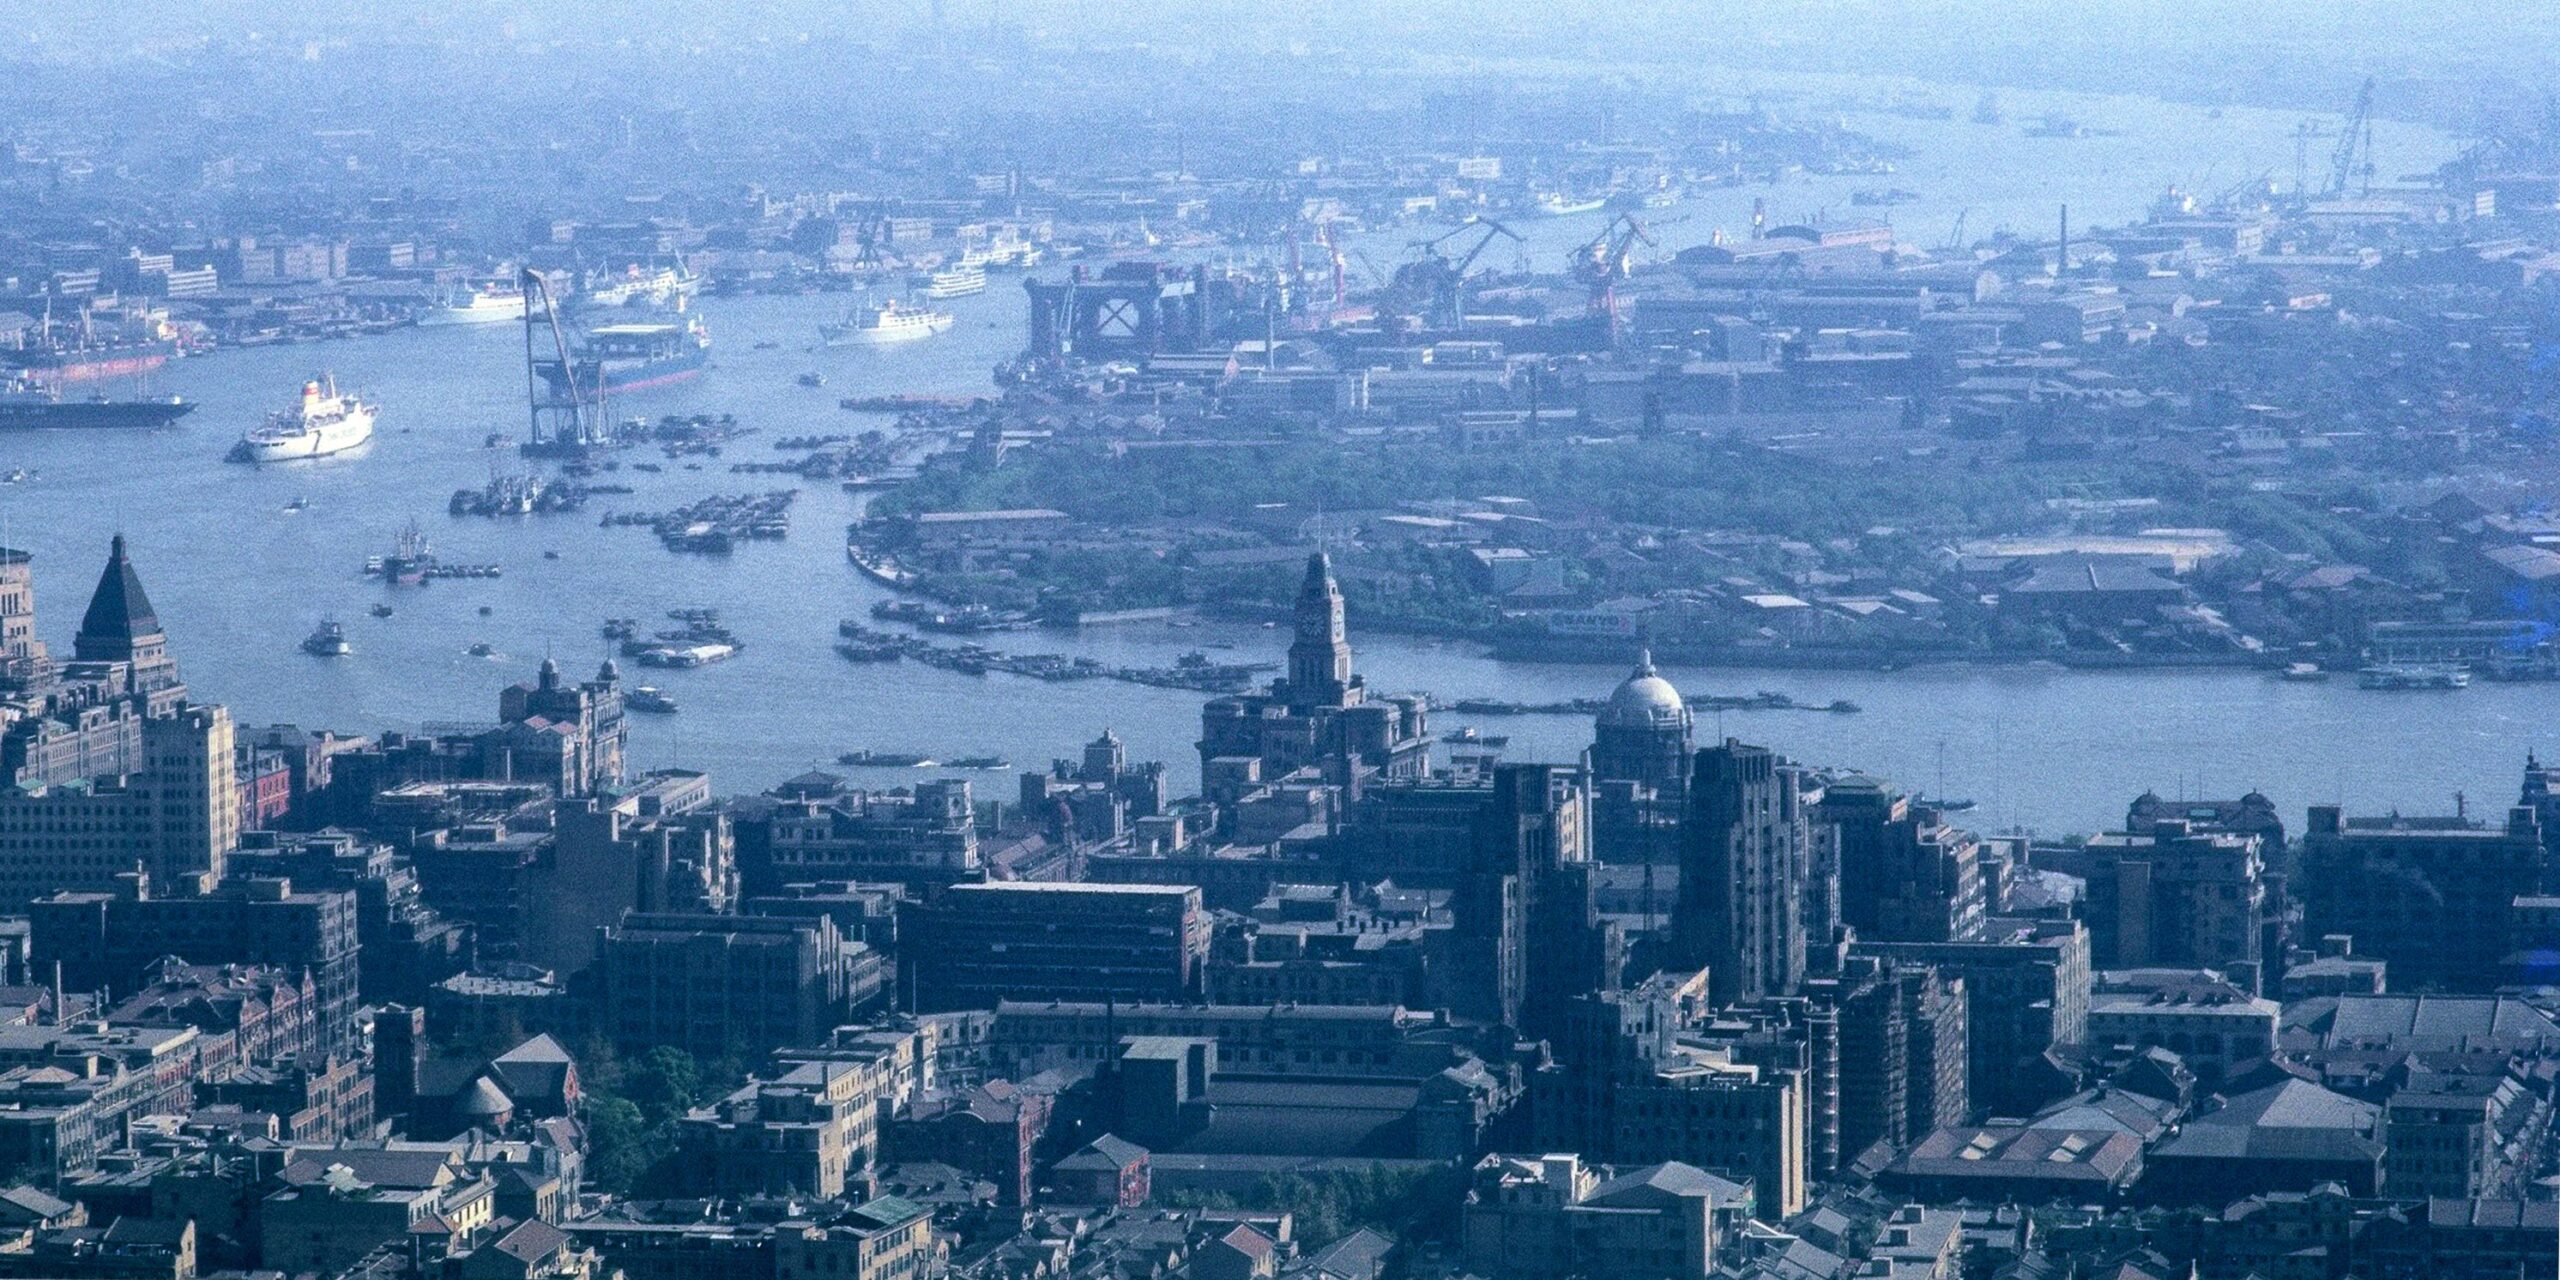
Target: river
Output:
[{"x": 240, "y": 580}]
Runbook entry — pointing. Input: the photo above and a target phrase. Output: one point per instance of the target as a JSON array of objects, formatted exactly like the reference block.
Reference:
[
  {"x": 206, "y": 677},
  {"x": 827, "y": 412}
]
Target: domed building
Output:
[{"x": 1640, "y": 751}]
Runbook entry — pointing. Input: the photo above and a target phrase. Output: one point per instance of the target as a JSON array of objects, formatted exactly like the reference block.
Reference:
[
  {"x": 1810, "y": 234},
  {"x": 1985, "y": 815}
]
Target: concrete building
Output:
[
  {"x": 720, "y": 985},
  {"x": 2026, "y": 993},
  {"x": 1905, "y": 875},
  {"x": 2212, "y": 1023},
  {"x": 2176, "y": 897},
  {"x": 104, "y": 764},
  {"x": 1638, "y": 1079},
  {"x": 814, "y": 829},
  {"x": 979, "y": 944},
  {"x": 586, "y": 719},
  {"x": 884, "y": 1238},
  {"x": 2428, "y": 895}
]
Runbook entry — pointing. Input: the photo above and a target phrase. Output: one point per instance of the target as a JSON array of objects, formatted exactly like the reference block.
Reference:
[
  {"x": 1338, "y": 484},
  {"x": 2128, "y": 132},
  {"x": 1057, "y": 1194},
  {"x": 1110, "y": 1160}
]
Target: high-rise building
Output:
[
  {"x": 1640, "y": 754},
  {"x": 1905, "y": 875},
  {"x": 2026, "y": 986},
  {"x": 2175, "y": 897},
  {"x": 2427, "y": 894},
  {"x": 1743, "y": 865}
]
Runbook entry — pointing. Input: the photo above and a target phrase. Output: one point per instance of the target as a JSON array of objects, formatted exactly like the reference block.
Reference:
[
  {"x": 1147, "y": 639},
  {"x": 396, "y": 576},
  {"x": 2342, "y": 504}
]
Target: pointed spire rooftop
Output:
[
  {"x": 119, "y": 612},
  {"x": 1319, "y": 572}
]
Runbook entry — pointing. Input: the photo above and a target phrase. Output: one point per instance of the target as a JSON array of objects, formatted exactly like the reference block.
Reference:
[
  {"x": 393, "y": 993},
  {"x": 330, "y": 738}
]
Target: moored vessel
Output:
[
  {"x": 487, "y": 302},
  {"x": 958, "y": 282},
  {"x": 25, "y": 402},
  {"x": 322, "y": 423}
]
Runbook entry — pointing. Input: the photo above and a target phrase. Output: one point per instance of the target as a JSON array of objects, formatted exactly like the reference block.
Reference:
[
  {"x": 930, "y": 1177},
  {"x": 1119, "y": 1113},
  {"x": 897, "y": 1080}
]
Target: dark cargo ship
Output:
[{"x": 30, "y": 404}]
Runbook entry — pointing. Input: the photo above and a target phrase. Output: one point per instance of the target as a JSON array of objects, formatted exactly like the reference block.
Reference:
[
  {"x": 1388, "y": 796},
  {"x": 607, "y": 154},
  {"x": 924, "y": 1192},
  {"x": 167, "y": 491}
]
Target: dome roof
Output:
[{"x": 1645, "y": 701}]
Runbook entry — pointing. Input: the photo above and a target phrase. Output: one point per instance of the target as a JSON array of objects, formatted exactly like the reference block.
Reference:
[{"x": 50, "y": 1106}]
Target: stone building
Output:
[
  {"x": 1320, "y": 712},
  {"x": 1640, "y": 761}
]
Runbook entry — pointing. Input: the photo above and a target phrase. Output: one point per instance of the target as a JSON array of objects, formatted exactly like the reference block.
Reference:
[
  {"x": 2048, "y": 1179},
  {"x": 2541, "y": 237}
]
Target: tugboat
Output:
[
  {"x": 382, "y": 611},
  {"x": 330, "y": 641},
  {"x": 482, "y": 649},
  {"x": 651, "y": 699}
]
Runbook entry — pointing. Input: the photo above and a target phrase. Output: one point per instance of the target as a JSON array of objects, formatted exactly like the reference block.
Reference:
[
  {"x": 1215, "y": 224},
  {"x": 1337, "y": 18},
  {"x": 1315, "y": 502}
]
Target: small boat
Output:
[
  {"x": 298, "y": 504},
  {"x": 482, "y": 649},
  {"x": 813, "y": 379},
  {"x": 2302, "y": 672},
  {"x": 1941, "y": 805},
  {"x": 382, "y": 611},
  {"x": 550, "y": 555},
  {"x": 621, "y": 628},
  {"x": 651, "y": 699},
  {"x": 330, "y": 641},
  {"x": 980, "y": 762},
  {"x": 886, "y": 760}
]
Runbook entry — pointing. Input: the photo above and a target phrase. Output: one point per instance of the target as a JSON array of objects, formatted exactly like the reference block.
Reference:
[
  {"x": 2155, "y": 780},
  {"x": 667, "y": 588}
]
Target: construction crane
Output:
[
  {"x": 2354, "y": 155},
  {"x": 1602, "y": 263}
]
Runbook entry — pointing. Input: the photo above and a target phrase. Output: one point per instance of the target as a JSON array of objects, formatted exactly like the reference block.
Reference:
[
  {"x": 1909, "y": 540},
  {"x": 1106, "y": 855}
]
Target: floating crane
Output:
[{"x": 1602, "y": 263}]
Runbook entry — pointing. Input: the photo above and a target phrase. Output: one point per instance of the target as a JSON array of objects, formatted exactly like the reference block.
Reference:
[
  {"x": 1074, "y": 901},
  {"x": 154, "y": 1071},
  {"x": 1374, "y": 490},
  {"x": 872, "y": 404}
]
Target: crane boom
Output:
[{"x": 2356, "y": 137}]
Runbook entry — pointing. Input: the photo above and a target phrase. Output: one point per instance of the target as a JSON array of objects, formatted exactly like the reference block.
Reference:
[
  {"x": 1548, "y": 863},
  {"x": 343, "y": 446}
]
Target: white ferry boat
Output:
[
  {"x": 958, "y": 282},
  {"x": 635, "y": 287},
  {"x": 489, "y": 302},
  {"x": 324, "y": 423},
  {"x": 892, "y": 322}
]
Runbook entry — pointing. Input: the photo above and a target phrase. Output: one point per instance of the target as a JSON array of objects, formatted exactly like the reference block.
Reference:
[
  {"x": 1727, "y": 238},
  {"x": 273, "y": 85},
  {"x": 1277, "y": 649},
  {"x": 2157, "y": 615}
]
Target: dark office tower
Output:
[
  {"x": 1639, "y": 768},
  {"x": 1320, "y": 656},
  {"x": 121, "y": 627},
  {"x": 1743, "y": 861}
]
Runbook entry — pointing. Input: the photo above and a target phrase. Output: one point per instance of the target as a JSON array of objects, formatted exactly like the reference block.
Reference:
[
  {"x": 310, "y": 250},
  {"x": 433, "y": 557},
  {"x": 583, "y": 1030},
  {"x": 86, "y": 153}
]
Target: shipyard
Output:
[{"x": 1402, "y": 640}]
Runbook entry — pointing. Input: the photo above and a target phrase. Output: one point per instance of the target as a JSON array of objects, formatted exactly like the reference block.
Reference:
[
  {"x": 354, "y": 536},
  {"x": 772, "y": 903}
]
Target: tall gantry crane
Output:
[
  {"x": 2354, "y": 155},
  {"x": 1603, "y": 262},
  {"x": 1436, "y": 283}
]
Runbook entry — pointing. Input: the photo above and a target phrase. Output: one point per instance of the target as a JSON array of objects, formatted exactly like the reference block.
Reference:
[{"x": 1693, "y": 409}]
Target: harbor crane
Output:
[
  {"x": 1602, "y": 263},
  {"x": 1438, "y": 282},
  {"x": 2354, "y": 154}
]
